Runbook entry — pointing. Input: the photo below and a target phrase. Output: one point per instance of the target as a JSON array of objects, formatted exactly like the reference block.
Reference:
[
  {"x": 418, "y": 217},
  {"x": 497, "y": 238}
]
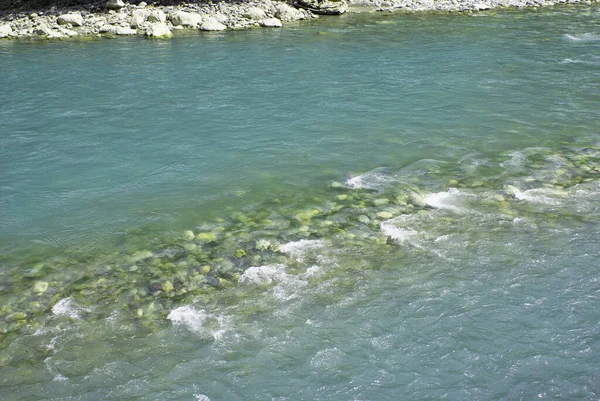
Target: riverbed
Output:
[{"x": 375, "y": 206}]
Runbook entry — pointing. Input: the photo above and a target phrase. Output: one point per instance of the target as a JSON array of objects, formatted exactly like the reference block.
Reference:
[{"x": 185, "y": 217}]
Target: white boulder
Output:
[
  {"x": 286, "y": 12},
  {"x": 158, "y": 30},
  {"x": 185, "y": 19},
  {"x": 222, "y": 18},
  {"x": 75, "y": 19},
  {"x": 211, "y": 24},
  {"x": 254, "y": 13},
  {"x": 5, "y": 31},
  {"x": 271, "y": 23},
  {"x": 67, "y": 32},
  {"x": 123, "y": 30},
  {"x": 157, "y": 16},
  {"x": 138, "y": 18}
]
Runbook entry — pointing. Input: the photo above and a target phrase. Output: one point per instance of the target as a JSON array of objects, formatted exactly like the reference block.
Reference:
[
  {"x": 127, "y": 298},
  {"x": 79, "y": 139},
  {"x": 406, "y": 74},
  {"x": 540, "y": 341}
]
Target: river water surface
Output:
[{"x": 369, "y": 207}]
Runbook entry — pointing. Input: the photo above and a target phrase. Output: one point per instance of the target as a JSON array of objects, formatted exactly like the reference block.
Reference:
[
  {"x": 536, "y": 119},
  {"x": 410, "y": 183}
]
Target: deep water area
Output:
[{"x": 367, "y": 207}]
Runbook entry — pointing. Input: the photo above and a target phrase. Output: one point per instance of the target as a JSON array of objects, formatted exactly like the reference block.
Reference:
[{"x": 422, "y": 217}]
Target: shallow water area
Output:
[{"x": 365, "y": 207}]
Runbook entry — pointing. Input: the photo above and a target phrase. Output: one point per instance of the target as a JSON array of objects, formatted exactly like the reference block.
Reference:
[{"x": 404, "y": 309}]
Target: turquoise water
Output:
[{"x": 358, "y": 208}]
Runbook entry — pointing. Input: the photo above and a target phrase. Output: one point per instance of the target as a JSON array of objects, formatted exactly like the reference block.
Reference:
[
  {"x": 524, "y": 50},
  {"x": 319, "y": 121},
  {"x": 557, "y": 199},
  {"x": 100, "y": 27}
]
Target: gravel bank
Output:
[{"x": 116, "y": 18}]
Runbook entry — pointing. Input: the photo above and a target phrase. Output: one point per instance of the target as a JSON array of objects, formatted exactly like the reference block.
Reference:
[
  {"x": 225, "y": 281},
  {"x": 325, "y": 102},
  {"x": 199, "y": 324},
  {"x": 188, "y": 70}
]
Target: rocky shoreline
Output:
[{"x": 116, "y": 18}]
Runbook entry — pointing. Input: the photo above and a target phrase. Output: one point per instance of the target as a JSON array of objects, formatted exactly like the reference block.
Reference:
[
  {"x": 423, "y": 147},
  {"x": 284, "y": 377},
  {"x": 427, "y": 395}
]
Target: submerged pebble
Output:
[{"x": 40, "y": 287}]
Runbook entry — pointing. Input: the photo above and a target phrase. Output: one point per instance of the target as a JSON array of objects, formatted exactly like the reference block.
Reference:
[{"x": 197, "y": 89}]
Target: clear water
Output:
[{"x": 389, "y": 207}]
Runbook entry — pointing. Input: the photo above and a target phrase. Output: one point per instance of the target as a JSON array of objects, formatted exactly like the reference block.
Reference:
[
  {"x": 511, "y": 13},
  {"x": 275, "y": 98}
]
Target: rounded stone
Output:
[
  {"x": 207, "y": 237},
  {"x": 364, "y": 219},
  {"x": 167, "y": 286},
  {"x": 40, "y": 287},
  {"x": 385, "y": 215},
  {"x": 381, "y": 201}
]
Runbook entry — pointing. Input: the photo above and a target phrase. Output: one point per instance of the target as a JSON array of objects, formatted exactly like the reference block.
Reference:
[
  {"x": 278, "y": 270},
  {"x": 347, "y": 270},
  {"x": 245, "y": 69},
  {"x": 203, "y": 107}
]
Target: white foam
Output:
[
  {"x": 448, "y": 200},
  {"x": 287, "y": 285},
  {"x": 206, "y": 325},
  {"x": 261, "y": 275},
  {"x": 401, "y": 235},
  {"x": 65, "y": 307},
  {"x": 544, "y": 196},
  {"x": 201, "y": 397},
  {"x": 370, "y": 180},
  {"x": 298, "y": 249},
  {"x": 516, "y": 162},
  {"x": 326, "y": 358},
  {"x": 582, "y": 37},
  {"x": 59, "y": 378},
  {"x": 312, "y": 271}
]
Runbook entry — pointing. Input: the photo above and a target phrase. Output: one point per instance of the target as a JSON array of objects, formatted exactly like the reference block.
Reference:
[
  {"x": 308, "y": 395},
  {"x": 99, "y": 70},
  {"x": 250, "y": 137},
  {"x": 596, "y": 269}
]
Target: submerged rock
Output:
[
  {"x": 381, "y": 201},
  {"x": 188, "y": 235},
  {"x": 364, "y": 219},
  {"x": 140, "y": 255},
  {"x": 212, "y": 281},
  {"x": 167, "y": 286},
  {"x": 40, "y": 287},
  {"x": 206, "y": 237},
  {"x": 385, "y": 215}
]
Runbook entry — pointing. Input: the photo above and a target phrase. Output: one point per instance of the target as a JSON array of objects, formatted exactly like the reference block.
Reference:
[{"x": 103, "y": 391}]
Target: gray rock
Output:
[
  {"x": 75, "y": 19},
  {"x": 158, "y": 30},
  {"x": 186, "y": 19},
  {"x": 115, "y": 4},
  {"x": 271, "y": 23},
  {"x": 211, "y": 24},
  {"x": 5, "y": 31}
]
